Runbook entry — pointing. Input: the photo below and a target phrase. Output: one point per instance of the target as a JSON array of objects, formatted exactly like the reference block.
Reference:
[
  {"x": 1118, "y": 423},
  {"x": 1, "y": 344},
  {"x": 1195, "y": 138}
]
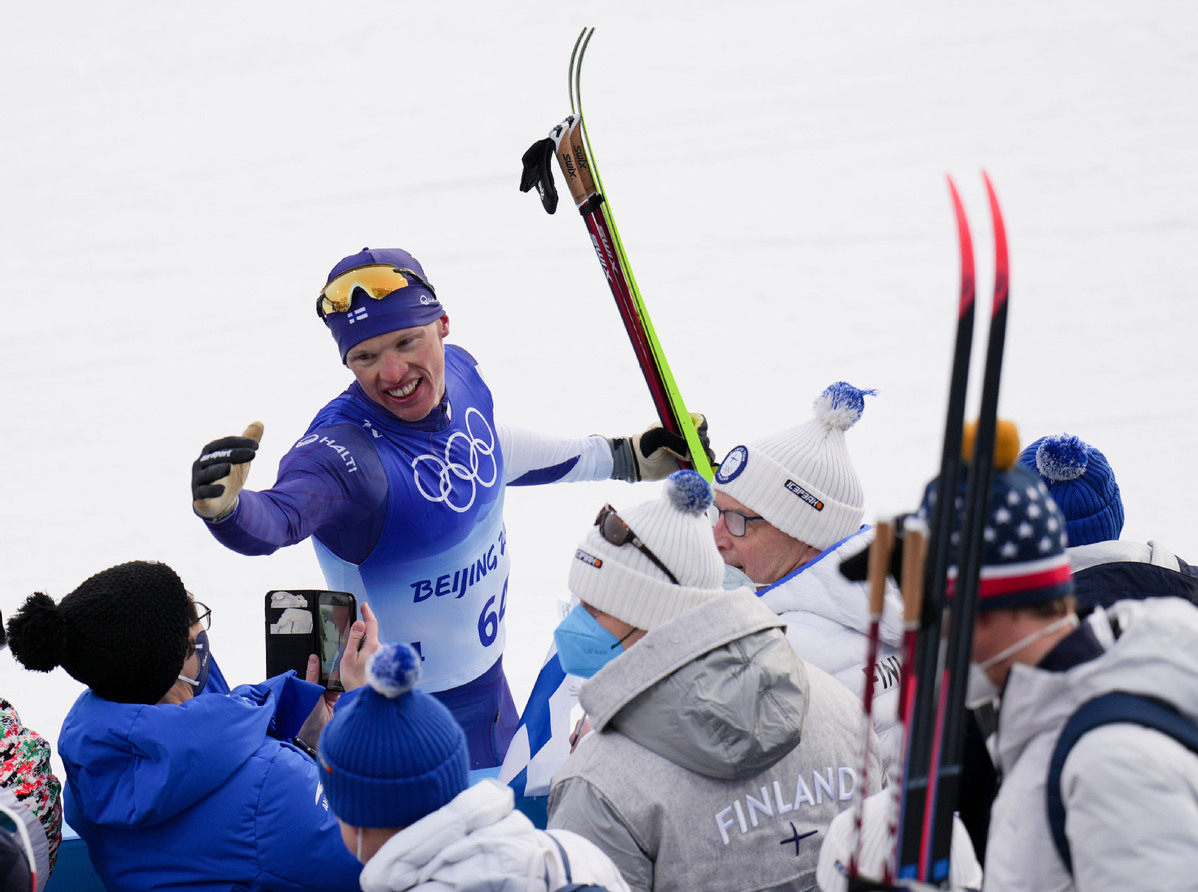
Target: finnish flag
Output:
[{"x": 542, "y": 739}]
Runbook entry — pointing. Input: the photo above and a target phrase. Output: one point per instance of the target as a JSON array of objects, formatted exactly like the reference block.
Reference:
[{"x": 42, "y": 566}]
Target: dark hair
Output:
[{"x": 1054, "y": 609}]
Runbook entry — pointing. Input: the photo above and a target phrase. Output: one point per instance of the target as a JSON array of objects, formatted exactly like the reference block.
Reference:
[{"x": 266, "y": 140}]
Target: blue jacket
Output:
[{"x": 203, "y": 795}]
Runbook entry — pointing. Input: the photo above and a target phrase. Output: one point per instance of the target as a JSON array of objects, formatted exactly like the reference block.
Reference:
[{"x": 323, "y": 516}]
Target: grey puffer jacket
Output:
[{"x": 719, "y": 757}]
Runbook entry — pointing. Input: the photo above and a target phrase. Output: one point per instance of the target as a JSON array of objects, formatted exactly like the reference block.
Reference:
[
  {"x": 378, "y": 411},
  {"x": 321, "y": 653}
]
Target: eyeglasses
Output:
[
  {"x": 203, "y": 615},
  {"x": 616, "y": 531},
  {"x": 735, "y": 522},
  {"x": 377, "y": 280}
]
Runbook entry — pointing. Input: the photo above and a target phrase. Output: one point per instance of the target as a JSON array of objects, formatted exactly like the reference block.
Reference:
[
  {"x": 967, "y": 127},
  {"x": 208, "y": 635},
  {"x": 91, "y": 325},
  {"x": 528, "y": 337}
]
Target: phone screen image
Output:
[
  {"x": 336, "y": 617},
  {"x": 304, "y": 622}
]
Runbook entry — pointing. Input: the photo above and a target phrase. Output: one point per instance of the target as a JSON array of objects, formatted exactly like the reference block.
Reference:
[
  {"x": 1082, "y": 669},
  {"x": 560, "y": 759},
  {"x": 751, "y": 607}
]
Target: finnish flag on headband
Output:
[{"x": 542, "y": 740}]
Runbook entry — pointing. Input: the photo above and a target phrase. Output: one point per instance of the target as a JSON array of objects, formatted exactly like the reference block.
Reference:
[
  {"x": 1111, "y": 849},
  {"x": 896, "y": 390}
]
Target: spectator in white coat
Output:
[
  {"x": 789, "y": 510},
  {"x": 1129, "y": 792},
  {"x": 395, "y": 769}
]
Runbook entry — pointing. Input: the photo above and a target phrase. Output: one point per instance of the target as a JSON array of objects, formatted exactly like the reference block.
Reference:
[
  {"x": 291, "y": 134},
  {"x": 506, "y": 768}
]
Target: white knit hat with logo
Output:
[
  {"x": 623, "y": 581},
  {"x": 802, "y": 480}
]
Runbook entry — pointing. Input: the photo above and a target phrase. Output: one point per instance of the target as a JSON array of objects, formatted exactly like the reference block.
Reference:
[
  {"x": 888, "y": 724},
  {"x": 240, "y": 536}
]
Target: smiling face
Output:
[
  {"x": 403, "y": 371},
  {"x": 764, "y": 553}
]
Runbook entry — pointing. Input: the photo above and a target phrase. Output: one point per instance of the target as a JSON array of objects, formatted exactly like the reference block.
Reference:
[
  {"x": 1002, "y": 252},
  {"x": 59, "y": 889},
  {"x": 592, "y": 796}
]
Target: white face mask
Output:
[
  {"x": 980, "y": 689},
  {"x": 735, "y": 578}
]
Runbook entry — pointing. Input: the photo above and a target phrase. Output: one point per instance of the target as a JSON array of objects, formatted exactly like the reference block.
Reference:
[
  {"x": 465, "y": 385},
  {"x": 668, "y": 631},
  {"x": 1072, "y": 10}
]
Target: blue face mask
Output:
[
  {"x": 205, "y": 655},
  {"x": 583, "y": 646}
]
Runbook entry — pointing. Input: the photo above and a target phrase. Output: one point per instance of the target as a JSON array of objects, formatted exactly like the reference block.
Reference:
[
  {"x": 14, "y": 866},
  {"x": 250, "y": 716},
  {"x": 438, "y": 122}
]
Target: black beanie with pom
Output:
[{"x": 123, "y": 632}]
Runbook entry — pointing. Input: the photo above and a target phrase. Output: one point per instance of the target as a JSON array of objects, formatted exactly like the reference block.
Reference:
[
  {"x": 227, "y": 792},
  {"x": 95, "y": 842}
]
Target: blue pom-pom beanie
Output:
[
  {"x": 366, "y": 318},
  {"x": 393, "y": 754},
  {"x": 1081, "y": 482},
  {"x": 622, "y": 581}
]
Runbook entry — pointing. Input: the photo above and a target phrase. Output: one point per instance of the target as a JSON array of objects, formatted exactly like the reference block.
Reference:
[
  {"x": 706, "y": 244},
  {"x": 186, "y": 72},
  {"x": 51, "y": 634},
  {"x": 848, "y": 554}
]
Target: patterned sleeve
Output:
[{"x": 25, "y": 772}]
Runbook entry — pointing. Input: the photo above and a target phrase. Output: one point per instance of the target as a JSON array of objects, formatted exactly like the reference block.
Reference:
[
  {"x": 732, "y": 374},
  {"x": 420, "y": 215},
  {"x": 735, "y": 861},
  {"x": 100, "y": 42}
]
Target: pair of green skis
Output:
[{"x": 569, "y": 143}]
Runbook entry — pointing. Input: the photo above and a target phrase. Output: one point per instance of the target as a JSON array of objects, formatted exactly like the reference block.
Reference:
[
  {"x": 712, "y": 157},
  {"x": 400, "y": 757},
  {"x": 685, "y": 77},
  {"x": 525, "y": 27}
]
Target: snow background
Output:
[{"x": 178, "y": 179}]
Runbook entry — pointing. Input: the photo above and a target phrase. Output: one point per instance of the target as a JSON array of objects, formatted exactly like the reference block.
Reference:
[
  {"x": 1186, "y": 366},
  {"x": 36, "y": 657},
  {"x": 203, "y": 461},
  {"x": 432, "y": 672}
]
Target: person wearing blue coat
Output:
[{"x": 171, "y": 790}]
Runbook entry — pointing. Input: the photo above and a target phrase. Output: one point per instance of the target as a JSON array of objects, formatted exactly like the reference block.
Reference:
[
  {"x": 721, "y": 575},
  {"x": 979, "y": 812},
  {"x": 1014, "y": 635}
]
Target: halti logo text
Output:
[{"x": 346, "y": 456}]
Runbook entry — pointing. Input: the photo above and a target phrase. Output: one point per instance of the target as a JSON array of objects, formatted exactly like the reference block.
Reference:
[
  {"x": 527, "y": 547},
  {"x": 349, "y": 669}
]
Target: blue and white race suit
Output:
[{"x": 409, "y": 517}]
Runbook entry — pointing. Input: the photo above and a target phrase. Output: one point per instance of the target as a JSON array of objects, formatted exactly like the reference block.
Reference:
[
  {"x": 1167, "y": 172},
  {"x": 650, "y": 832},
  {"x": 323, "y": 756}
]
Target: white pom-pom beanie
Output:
[
  {"x": 802, "y": 480},
  {"x": 622, "y": 581}
]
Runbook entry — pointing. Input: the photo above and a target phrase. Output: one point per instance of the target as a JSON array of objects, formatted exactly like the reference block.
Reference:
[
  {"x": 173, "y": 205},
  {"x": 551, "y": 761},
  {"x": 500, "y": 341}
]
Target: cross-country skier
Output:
[{"x": 400, "y": 483}]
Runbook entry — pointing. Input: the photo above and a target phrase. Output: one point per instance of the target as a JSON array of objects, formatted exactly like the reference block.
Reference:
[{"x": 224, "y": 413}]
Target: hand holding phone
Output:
[{"x": 363, "y": 641}]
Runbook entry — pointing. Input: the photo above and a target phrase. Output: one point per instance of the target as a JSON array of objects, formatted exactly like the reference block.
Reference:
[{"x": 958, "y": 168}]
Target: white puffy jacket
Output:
[
  {"x": 478, "y": 841},
  {"x": 827, "y": 623},
  {"x": 1131, "y": 793}
]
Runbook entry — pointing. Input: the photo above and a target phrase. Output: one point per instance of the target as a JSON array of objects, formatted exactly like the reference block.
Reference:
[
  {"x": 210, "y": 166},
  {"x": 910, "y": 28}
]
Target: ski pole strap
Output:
[{"x": 1116, "y": 707}]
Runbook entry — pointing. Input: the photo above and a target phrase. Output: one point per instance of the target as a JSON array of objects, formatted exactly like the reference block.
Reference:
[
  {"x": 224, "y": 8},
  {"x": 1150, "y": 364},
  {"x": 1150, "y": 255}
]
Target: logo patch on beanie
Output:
[
  {"x": 734, "y": 462},
  {"x": 589, "y": 559},
  {"x": 804, "y": 495}
]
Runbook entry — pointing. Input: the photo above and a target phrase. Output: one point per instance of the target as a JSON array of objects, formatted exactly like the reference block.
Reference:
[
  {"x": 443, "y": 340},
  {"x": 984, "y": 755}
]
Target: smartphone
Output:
[{"x": 301, "y": 622}]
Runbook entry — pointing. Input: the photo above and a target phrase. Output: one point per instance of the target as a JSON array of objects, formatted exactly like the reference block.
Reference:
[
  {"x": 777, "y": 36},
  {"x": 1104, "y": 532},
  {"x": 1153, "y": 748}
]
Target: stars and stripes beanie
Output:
[
  {"x": 623, "y": 581},
  {"x": 1023, "y": 554},
  {"x": 366, "y": 318},
  {"x": 393, "y": 754},
  {"x": 1080, "y": 480},
  {"x": 802, "y": 480}
]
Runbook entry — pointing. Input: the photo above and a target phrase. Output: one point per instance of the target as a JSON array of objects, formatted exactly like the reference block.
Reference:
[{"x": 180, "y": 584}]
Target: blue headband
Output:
[{"x": 367, "y": 317}]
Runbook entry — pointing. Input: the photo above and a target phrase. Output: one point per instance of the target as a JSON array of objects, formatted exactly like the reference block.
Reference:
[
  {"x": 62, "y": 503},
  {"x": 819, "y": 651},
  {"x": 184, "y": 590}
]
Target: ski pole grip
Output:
[
  {"x": 915, "y": 546},
  {"x": 571, "y": 156},
  {"x": 879, "y": 560}
]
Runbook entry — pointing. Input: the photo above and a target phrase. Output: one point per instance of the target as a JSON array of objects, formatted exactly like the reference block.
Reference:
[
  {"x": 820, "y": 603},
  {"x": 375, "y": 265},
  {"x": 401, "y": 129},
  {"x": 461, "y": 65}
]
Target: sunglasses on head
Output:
[
  {"x": 377, "y": 280},
  {"x": 613, "y": 529}
]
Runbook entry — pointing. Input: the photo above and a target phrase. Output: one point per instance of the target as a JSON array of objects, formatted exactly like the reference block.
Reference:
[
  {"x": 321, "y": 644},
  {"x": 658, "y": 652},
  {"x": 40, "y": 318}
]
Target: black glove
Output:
[
  {"x": 219, "y": 473},
  {"x": 538, "y": 171},
  {"x": 655, "y": 453}
]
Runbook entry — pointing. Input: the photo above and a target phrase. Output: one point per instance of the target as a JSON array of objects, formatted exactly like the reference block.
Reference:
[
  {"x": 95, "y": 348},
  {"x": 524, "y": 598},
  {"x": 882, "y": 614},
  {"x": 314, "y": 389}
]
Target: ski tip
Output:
[{"x": 1001, "y": 259}]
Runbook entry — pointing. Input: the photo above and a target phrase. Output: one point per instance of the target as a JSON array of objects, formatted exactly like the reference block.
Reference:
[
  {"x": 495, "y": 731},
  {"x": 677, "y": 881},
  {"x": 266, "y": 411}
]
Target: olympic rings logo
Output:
[{"x": 451, "y": 476}]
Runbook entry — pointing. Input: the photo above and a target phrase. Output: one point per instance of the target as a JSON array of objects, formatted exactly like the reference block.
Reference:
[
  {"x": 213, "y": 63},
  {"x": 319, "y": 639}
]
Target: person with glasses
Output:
[
  {"x": 788, "y": 513},
  {"x": 718, "y": 757},
  {"x": 171, "y": 790},
  {"x": 400, "y": 482}
]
